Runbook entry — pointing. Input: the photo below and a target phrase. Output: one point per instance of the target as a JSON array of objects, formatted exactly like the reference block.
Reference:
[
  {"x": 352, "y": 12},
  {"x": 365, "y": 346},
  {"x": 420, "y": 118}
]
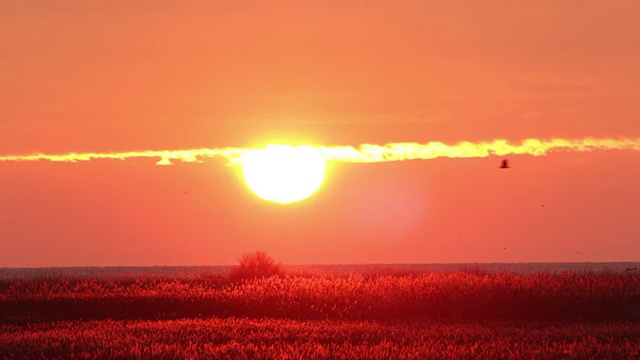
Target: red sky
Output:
[{"x": 103, "y": 76}]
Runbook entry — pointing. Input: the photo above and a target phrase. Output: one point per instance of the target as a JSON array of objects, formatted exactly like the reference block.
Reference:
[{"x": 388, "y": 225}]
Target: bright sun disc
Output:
[{"x": 282, "y": 173}]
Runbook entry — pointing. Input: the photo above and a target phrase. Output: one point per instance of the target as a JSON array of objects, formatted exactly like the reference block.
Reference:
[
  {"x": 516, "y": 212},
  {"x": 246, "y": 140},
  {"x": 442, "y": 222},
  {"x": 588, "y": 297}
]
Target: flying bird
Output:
[{"x": 505, "y": 164}]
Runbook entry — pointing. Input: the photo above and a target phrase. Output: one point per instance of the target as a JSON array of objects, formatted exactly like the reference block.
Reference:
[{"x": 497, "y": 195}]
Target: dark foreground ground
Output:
[{"x": 384, "y": 314}]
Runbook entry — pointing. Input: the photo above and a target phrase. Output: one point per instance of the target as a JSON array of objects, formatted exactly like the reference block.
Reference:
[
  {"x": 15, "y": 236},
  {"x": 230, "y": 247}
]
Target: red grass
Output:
[
  {"x": 435, "y": 295},
  {"x": 386, "y": 314},
  {"x": 234, "y": 338}
]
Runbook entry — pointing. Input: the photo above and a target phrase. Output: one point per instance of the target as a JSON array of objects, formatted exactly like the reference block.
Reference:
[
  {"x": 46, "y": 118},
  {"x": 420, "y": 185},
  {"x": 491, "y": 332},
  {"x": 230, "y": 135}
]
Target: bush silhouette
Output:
[{"x": 255, "y": 265}]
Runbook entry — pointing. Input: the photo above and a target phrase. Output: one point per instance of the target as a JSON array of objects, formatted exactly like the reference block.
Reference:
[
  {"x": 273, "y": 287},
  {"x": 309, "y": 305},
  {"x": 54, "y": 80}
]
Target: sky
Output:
[{"x": 116, "y": 76}]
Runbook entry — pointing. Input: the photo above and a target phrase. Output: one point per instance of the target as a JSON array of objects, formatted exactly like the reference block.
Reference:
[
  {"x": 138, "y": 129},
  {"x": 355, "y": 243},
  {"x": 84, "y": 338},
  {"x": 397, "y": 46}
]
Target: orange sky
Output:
[{"x": 96, "y": 76}]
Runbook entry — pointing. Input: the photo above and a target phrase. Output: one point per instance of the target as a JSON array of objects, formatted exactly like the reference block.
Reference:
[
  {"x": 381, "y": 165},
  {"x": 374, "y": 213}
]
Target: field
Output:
[{"x": 379, "y": 313}]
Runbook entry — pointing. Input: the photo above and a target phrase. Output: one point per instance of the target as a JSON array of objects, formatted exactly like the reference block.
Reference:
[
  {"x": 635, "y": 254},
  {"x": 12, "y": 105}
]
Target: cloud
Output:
[
  {"x": 166, "y": 157},
  {"x": 366, "y": 153}
]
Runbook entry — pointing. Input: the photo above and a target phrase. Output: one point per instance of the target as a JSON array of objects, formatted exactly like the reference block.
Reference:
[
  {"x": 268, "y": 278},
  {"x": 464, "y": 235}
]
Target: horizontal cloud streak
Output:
[
  {"x": 366, "y": 153},
  {"x": 166, "y": 156}
]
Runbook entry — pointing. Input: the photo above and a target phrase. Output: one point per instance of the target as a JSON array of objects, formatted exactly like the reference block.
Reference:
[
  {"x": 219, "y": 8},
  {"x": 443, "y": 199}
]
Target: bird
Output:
[{"x": 505, "y": 164}]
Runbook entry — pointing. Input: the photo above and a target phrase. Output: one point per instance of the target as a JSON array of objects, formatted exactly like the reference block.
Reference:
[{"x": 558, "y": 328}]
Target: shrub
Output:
[{"x": 255, "y": 265}]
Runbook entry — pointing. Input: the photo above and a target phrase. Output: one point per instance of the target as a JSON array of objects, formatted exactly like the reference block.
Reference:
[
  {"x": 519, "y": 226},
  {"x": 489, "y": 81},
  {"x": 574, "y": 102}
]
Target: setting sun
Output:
[{"x": 282, "y": 173}]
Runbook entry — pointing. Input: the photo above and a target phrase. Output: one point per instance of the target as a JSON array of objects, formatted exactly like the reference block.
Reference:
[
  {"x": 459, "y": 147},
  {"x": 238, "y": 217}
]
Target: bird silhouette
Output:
[{"x": 505, "y": 164}]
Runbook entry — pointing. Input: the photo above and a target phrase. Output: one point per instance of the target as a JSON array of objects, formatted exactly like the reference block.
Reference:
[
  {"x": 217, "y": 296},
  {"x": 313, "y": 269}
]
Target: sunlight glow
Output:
[
  {"x": 283, "y": 174},
  {"x": 286, "y": 174}
]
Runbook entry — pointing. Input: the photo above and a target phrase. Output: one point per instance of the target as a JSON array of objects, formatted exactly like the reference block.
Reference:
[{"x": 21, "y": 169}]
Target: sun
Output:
[{"x": 283, "y": 174}]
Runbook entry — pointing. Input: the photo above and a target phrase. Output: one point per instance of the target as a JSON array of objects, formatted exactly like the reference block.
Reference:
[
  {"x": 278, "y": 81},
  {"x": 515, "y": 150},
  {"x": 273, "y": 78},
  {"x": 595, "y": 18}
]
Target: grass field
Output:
[{"x": 374, "y": 314}]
